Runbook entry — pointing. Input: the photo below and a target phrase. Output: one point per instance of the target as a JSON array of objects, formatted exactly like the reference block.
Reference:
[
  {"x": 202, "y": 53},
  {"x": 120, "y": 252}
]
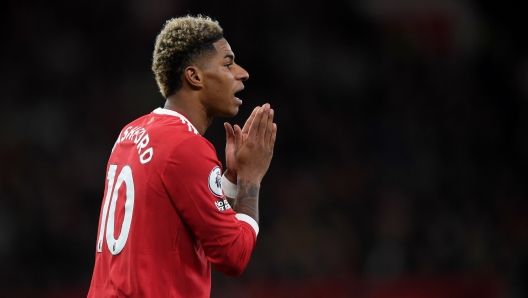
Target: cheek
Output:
[
  {"x": 218, "y": 84},
  {"x": 223, "y": 85}
]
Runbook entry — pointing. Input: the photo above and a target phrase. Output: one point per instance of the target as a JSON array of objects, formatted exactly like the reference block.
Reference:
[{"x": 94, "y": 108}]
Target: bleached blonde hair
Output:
[{"x": 183, "y": 41}]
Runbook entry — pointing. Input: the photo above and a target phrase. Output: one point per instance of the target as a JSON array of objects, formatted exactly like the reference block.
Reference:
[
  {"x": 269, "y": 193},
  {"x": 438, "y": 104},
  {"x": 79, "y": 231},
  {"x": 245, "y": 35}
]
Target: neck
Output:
[{"x": 189, "y": 104}]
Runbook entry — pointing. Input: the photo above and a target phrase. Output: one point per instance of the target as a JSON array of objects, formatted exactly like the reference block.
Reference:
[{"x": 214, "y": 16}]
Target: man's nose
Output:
[{"x": 243, "y": 75}]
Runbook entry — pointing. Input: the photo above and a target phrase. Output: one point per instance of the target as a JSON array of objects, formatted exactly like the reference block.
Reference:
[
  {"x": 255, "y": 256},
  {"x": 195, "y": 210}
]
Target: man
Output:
[{"x": 165, "y": 217}]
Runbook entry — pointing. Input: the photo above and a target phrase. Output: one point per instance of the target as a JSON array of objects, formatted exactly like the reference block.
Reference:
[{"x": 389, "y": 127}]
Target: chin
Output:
[
  {"x": 233, "y": 112},
  {"x": 228, "y": 113}
]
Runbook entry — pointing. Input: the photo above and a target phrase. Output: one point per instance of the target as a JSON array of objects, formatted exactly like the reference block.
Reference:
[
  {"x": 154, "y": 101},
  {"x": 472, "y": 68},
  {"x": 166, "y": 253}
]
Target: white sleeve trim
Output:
[
  {"x": 249, "y": 220},
  {"x": 230, "y": 189}
]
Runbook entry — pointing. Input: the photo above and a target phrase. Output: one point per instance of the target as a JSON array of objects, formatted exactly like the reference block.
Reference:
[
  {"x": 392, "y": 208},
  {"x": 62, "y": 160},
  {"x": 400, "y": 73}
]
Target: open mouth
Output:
[{"x": 236, "y": 98}]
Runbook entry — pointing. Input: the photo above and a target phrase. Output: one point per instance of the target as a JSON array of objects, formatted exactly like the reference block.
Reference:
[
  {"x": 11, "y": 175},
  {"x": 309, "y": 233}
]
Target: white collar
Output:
[{"x": 162, "y": 111}]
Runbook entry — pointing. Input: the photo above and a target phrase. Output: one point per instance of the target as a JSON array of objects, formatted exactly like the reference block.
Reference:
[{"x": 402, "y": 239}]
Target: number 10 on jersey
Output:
[{"x": 116, "y": 245}]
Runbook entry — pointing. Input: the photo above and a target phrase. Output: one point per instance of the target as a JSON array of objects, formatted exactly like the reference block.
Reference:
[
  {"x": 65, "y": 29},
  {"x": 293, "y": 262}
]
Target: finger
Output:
[
  {"x": 263, "y": 122},
  {"x": 238, "y": 137},
  {"x": 273, "y": 137},
  {"x": 269, "y": 127},
  {"x": 245, "y": 129},
  {"x": 230, "y": 136},
  {"x": 254, "y": 127}
]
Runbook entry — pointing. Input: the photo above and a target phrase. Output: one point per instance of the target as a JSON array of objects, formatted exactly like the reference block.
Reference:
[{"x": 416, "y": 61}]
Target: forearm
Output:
[{"x": 247, "y": 198}]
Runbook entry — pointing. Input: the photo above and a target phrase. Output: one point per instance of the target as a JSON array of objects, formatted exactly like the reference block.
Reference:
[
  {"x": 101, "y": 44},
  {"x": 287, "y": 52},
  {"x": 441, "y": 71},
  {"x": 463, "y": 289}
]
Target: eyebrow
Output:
[{"x": 230, "y": 56}]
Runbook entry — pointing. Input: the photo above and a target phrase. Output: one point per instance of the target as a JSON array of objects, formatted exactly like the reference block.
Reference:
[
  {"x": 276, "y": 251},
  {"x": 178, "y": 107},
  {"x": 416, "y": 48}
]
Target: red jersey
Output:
[{"x": 164, "y": 218}]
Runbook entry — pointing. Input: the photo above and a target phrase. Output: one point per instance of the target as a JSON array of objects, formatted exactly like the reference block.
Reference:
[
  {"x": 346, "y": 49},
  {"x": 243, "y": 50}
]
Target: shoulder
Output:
[
  {"x": 193, "y": 146},
  {"x": 191, "y": 157}
]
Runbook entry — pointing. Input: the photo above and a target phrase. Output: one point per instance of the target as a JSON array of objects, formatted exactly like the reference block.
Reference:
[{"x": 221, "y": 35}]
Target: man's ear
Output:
[{"x": 194, "y": 76}]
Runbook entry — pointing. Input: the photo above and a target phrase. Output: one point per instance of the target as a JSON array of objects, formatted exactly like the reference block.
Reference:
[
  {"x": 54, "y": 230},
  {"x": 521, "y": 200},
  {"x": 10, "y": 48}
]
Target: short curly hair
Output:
[{"x": 183, "y": 41}]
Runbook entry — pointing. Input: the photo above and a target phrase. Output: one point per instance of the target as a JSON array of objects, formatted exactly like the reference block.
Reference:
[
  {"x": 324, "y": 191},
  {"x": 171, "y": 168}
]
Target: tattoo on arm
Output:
[{"x": 247, "y": 199}]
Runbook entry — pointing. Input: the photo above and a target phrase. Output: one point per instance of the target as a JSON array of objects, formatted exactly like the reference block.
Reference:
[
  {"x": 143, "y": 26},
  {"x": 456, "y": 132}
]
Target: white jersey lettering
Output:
[{"x": 138, "y": 135}]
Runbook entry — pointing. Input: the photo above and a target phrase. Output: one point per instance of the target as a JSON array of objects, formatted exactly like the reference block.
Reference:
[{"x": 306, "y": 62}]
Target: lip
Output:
[{"x": 238, "y": 100}]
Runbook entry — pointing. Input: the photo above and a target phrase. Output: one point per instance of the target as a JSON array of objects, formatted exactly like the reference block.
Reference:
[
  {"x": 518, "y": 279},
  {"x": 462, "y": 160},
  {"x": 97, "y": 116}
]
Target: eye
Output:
[{"x": 228, "y": 65}]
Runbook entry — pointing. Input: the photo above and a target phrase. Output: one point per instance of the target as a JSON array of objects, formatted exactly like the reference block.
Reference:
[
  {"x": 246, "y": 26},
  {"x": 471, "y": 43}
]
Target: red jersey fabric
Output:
[{"x": 164, "y": 218}]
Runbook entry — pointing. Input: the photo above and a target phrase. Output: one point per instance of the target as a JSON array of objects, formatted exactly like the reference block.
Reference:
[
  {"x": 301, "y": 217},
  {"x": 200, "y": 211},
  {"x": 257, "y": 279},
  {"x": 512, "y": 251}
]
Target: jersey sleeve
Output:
[{"x": 192, "y": 176}]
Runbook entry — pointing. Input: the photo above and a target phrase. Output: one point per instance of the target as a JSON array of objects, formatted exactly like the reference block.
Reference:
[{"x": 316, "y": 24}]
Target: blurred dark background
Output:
[{"x": 400, "y": 164}]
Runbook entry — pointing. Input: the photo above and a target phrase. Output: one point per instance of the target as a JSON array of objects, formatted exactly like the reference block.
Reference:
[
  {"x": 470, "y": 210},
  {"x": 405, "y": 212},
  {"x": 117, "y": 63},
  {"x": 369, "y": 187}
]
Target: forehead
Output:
[{"x": 222, "y": 47}]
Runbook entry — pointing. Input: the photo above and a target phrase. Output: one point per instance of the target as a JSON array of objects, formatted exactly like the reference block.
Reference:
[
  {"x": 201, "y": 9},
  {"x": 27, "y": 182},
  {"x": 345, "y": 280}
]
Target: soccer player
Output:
[{"x": 168, "y": 211}]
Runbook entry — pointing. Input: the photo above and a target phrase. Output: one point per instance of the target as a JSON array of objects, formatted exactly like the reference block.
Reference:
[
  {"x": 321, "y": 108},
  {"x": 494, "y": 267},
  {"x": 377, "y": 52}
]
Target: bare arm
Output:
[
  {"x": 253, "y": 160},
  {"x": 247, "y": 197},
  {"x": 233, "y": 145}
]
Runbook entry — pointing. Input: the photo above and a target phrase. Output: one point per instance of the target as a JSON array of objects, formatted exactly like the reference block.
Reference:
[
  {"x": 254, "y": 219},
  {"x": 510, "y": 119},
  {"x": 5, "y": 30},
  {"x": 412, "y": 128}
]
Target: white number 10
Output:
[{"x": 116, "y": 245}]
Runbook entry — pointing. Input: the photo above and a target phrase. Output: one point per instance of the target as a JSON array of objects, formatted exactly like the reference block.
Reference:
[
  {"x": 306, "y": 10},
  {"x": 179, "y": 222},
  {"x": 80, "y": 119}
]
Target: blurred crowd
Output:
[{"x": 401, "y": 151}]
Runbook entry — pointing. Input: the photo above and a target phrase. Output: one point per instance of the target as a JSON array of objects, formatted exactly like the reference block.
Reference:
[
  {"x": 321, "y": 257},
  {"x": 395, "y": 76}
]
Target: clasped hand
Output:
[{"x": 249, "y": 150}]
